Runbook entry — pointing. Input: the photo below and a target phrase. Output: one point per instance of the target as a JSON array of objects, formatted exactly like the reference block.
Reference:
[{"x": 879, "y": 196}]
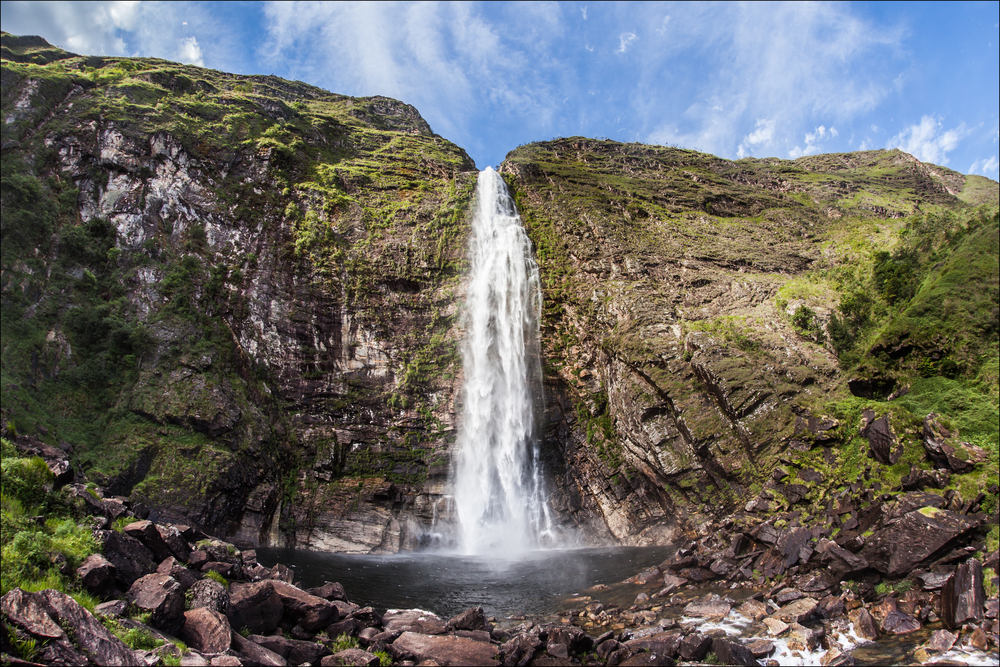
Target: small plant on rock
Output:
[{"x": 215, "y": 576}]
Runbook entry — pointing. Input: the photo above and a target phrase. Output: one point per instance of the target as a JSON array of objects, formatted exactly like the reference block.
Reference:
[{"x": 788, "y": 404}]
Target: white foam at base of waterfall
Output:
[{"x": 497, "y": 481}]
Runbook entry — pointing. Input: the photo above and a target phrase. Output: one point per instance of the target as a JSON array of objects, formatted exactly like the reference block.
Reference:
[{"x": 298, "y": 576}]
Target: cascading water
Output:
[{"x": 499, "y": 492}]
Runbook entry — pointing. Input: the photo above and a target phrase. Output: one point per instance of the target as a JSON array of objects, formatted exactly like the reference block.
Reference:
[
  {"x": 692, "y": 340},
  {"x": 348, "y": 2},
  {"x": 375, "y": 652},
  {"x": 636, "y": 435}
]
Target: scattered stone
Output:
[
  {"x": 178, "y": 546},
  {"x": 209, "y": 594},
  {"x": 798, "y": 611},
  {"x": 41, "y": 614},
  {"x": 670, "y": 584},
  {"x": 311, "y": 612},
  {"x": 352, "y": 656},
  {"x": 932, "y": 581},
  {"x": 97, "y": 574},
  {"x": 328, "y": 591},
  {"x": 694, "y": 647},
  {"x": 941, "y": 641},
  {"x": 864, "y": 624},
  {"x": 977, "y": 640},
  {"x": 112, "y": 608},
  {"x": 731, "y": 653},
  {"x": 646, "y": 576},
  {"x": 788, "y": 595},
  {"x": 254, "y": 606},
  {"x": 253, "y": 654},
  {"x": 882, "y": 444},
  {"x": 161, "y": 595},
  {"x": 176, "y": 569},
  {"x": 282, "y": 573},
  {"x": 413, "y": 620},
  {"x": 711, "y": 606},
  {"x": 130, "y": 557},
  {"x": 775, "y": 628},
  {"x": 296, "y": 652},
  {"x": 753, "y": 609},
  {"x": 919, "y": 479},
  {"x": 760, "y": 648},
  {"x": 206, "y": 630},
  {"x": 898, "y": 623},
  {"x": 946, "y": 451},
  {"x": 831, "y": 607},
  {"x": 145, "y": 532},
  {"x": 444, "y": 649},
  {"x": 963, "y": 597},
  {"x": 470, "y": 619},
  {"x": 902, "y": 546}
]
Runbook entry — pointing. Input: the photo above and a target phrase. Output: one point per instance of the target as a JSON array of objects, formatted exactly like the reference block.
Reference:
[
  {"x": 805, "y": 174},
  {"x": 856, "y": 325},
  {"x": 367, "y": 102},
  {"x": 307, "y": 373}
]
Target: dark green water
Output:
[{"x": 532, "y": 583}]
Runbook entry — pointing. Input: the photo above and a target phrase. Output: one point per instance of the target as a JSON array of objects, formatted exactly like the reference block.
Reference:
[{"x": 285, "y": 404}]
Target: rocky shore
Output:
[{"x": 744, "y": 592}]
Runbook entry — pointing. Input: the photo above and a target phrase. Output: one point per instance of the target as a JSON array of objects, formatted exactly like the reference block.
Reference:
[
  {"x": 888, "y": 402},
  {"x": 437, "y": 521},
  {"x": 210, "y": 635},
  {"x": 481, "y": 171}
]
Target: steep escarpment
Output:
[
  {"x": 233, "y": 297},
  {"x": 707, "y": 321}
]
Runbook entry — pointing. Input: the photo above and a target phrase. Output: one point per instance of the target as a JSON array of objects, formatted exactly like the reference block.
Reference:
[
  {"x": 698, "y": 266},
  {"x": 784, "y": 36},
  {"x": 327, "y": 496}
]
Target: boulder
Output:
[
  {"x": 130, "y": 557},
  {"x": 254, "y": 606},
  {"x": 311, "y": 612},
  {"x": 694, "y": 647},
  {"x": 753, "y": 609},
  {"x": 837, "y": 561},
  {"x": 209, "y": 594},
  {"x": 282, "y": 573},
  {"x": 112, "y": 608},
  {"x": 445, "y": 650},
  {"x": 760, "y": 648},
  {"x": 963, "y": 596},
  {"x": 328, "y": 591},
  {"x": 882, "y": 443},
  {"x": 731, "y": 653},
  {"x": 470, "y": 619},
  {"x": 664, "y": 644},
  {"x": 646, "y": 576},
  {"x": 178, "y": 546},
  {"x": 521, "y": 650},
  {"x": 711, "y": 606},
  {"x": 898, "y": 623},
  {"x": 162, "y": 596},
  {"x": 918, "y": 479},
  {"x": 798, "y": 611},
  {"x": 571, "y": 638},
  {"x": 864, "y": 624},
  {"x": 352, "y": 656},
  {"x": 253, "y": 654},
  {"x": 775, "y": 628},
  {"x": 646, "y": 659},
  {"x": 367, "y": 617},
  {"x": 97, "y": 574},
  {"x": 65, "y": 632},
  {"x": 146, "y": 532},
  {"x": 670, "y": 584},
  {"x": 176, "y": 569},
  {"x": 206, "y": 630},
  {"x": 944, "y": 448},
  {"x": 296, "y": 652},
  {"x": 916, "y": 537},
  {"x": 941, "y": 640}
]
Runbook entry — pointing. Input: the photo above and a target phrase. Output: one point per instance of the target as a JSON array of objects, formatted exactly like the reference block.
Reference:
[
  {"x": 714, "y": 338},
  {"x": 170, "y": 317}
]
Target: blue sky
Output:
[{"x": 731, "y": 79}]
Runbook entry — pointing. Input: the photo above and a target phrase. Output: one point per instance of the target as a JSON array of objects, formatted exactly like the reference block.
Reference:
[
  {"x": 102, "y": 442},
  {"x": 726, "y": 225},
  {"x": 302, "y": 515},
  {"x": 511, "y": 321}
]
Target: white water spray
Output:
[{"x": 499, "y": 494}]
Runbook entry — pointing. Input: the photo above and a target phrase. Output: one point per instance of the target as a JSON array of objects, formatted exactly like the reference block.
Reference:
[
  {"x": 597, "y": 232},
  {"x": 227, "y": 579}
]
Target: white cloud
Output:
[
  {"x": 625, "y": 41},
  {"x": 91, "y": 28},
  {"x": 812, "y": 140},
  {"x": 663, "y": 25},
  {"x": 986, "y": 167},
  {"x": 190, "y": 53},
  {"x": 789, "y": 63},
  {"x": 583, "y": 10},
  {"x": 763, "y": 134},
  {"x": 927, "y": 142}
]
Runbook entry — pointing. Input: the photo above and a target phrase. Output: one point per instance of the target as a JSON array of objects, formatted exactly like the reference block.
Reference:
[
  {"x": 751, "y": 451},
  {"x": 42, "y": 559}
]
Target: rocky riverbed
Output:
[{"x": 911, "y": 588}]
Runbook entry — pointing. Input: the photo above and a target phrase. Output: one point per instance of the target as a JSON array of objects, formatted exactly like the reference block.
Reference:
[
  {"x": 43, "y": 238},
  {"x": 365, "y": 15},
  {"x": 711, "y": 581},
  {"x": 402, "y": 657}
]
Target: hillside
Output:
[{"x": 236, "y": 300}]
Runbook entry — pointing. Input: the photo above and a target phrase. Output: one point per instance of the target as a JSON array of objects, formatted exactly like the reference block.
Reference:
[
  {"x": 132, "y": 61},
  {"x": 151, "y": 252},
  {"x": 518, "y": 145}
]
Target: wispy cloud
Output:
[
  {"x": 625, "y": 41},
  {"x": 986, "y": 167},
  {"x": 812, "y": 139},
  {"x": 928, "y": 141},
  {"x": 788, "y": 63},
  {"x": 763, "y": 134}
]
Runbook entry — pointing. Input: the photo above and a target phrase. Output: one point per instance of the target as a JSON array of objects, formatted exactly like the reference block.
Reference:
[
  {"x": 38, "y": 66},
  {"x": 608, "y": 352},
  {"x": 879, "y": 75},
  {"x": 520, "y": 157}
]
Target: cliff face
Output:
[
  {"x": 699, "y": 328},
  {"x": 238, "y": 300},
  {"x": 234, "y": 297}
]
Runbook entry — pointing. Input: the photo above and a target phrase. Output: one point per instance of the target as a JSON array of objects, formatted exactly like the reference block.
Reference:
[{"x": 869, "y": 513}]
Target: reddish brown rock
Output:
[
  {"x": 328, "y": 591},
  {"x": 708, "y": 607},
  {"x": 898, "y": 623},
  {"x": 354, "y": 657},
  {"x": 446, "y": 650},
  {"x": 65, "y": 632},
  {"x": 210, "y": 594},
  {"x": 731, "y": 653},
  {"x": 161, "y": 595},
  {"x": 864, "y": 624},
  {"x": 900, "y": 547},
  {"x": 253, "y": 654},
  {"x": 470, "y": 619},
  {"x": 798, "y": 611},
  {"x": 176, "y": 569},
  {"x": 97, "y": 574},
  {"x": 146, "y": 532},
  {"x": 882, "y": 443},
  {"x": 941, "y": 640},
  {"x": 206, "y": 631},
  {"x": 694, "y": 646},
  {"x": 963, "y": 597},
  {"x": 311, "y": 612},
  {"x": 296, "y": 652},
  {"x": 254, "y": 606}
]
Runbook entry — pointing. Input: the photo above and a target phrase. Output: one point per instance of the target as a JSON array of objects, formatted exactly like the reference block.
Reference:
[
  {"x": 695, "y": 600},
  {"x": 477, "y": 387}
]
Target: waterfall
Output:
[{"x": 499, "y": 491}]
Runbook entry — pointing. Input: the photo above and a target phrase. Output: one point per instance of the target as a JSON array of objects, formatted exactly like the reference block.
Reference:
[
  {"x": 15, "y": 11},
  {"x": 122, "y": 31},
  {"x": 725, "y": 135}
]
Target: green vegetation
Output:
[
  {"x": 38, "y": 551},
  {"x": 342, "y": 643},
  {"x": 215, "y": 576}
]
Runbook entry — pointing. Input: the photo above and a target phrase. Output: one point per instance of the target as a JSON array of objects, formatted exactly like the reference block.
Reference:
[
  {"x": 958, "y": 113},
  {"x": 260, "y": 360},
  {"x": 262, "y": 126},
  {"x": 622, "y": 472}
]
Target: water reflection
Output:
[{"x": 532, "y": 583}]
